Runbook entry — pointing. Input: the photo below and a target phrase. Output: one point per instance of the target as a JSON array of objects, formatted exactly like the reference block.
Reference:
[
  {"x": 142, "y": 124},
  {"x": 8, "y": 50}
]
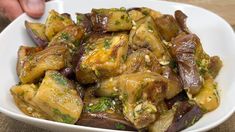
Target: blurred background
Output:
[{"x": 224, "y": 8}]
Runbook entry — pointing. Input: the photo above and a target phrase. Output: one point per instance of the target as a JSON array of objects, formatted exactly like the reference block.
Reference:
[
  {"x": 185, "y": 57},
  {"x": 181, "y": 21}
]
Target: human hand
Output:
[{"x": 13, "y": 8}]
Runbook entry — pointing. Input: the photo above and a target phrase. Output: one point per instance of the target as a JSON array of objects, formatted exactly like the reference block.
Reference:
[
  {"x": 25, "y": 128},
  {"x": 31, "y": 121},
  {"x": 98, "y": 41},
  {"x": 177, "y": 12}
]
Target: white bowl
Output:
[{"x": 216, "y": 36}]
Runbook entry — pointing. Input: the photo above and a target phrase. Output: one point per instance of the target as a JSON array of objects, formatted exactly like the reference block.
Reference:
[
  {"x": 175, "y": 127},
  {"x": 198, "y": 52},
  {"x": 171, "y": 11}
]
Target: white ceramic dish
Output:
[{"x": 216, "y": 36}]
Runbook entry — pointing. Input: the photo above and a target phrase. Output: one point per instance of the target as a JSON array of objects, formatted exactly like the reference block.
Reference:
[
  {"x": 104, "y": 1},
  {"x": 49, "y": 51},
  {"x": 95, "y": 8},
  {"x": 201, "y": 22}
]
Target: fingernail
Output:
[{"x": 35, "y": 5}]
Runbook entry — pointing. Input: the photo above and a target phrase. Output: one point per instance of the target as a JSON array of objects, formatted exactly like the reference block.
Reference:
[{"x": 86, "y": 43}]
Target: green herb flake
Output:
[
  {"x": 103, "y": 104},
  {"x": 65, "y": 118},
  {"x": 59, "y": 78},
  {"x": 107, "y": 44},
  {"x": 123, "y": 9},
  {"x": 120, "y": 126},
  {"x": 80, "y": 18},
  {"x": 65, "y": 36},
  {"x": 122, "y": 17}
]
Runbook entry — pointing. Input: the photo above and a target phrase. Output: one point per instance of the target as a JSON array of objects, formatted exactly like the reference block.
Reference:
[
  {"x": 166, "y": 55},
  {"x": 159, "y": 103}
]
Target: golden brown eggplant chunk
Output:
[
  {"x": 34, "y": 66},
  {"x": 140, "y": 93},
  {"x": 84, "y": 20},
  {"x": 101, "y": 58},
  {"x": 181, "y": 116},
  {"x": 215, "y": 66},
  {"x": 110, "y": 20},
  {"x": 138, "y": 13},
  {"x": 168, "y": 27},
  {"x": 58, "y": 98},
  {"x": 181, "y": 20},
  {"x": 71, "y": 35},
  {"x": 208, "y": 98},
  {"x": 184, "y": 50},
  {"x": 142, "y": 60},
  {"x": 55, "y": 23},
  {"x": 175, "y": 85},
  {"x": 37, "y": 33},
  {"x": 23, "y": 97},
  {"x": 145, "y": 35},
  {"x": 23, "y": 53}
]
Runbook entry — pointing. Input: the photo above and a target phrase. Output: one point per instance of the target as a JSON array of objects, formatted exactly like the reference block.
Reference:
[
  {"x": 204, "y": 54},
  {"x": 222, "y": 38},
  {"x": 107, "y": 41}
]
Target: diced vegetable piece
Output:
[
  {"x": 105, "y": 120},
  {"x": 186, "y": 114},
  {"x": 145, "y": 35},
  {"x": 150, "y": 12},
  {"x": 167, "y": 27},
  {"x": 208, "y": 98},
  {"x": 58, "y": 98},
  {"x": 34, "y": 66},
  {"x": 108, "y": 20},
  {"x": 175, "y": 85},
  {"x": 140, "y": 61},
  {"x": 163, "y": 122},
  {"x": 215, "y": 66},
  {"x": 101, "y": 58},
  {"x": 140, "y": 93},
  {"x": 84, "y": 20},
  {"x": 181, "y": 116},
  {"x": 23, "y": 96},
  {"x": 184, "y": 50},
  {"x": 181, "y": 20},
  {"x": 37, "y": 32},
  {"x": 135, "y": 14},
  {"x": 70, "y": 35},
  {"x": 55, "y": 23},
  {"x": 181, "y": 97},
  {"x": 23, "y": 53}
]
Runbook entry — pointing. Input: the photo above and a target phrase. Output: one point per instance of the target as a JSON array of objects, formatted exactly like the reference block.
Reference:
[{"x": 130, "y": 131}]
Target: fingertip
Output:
[{"x": 33, "y": 8}]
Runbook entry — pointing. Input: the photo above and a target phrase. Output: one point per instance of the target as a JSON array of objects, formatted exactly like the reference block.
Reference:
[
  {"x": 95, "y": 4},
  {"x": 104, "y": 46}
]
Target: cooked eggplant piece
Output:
[
  {"x": 186, "y": 114},
  {"x": 181, "y": 20},
  {"x": 55, "y": 23},
  {"x": 140, "y": 93},
  {"x": 105, "y": 120},
  {"x": 71, "y": 36},
  {"x": 167, "y": 27},
  {"x": 103, "y": 112},
  {"x": 181, "y": 97},
  {"x": 208, "y": 98},
  {"x": 214, "y": 66},
  {"x": 58, "y": 98},
  {"x": 37, "y": 33},
  {"x": 175, "y": 85},
  {"x": 109, "y": 20},
  {"x": 23, "y": 97},
  {"x": 84, "y": 20},
  {"x": 141, "y": 60},
  {"x": 135, "y": 14},
  {"x": 68, "y": 72},
  {"x": 23, "y": 53},
  {"x": 183, "y": 115},
  {"x": 145, "y": 35},
  {"x": 102, "y": 58},
  {"x": 32, "y": 67},
  {"x": 184, "y": 50}
]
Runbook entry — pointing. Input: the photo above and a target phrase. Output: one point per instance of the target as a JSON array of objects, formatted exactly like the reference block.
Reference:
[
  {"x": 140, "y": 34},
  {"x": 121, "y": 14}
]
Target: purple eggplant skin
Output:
[
  {"x": 38, "y": 37},
  {"x": 215, "y": 65},
  {"x": 182, "y": 96},
  {"x": 68, "y": 72},
  {"x": 105, "y": 120},
  {"x": 181, "y": 20},
  {"x": 187, "y": 114},
  {"x": 184, "y": 50},
  {"x": 84, "y": 20}
]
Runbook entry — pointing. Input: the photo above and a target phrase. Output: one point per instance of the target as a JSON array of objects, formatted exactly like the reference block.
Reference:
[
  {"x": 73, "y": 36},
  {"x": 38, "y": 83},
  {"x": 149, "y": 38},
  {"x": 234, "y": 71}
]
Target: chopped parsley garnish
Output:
[
  {"x": 107, "y": 44},
  {"x": 102, "y": 105},
  {"x": 64, "y": 117},
  {"x": 65, "y": 36},
  {"x": 59, "y": 78},
  {"x": 80, "y": 18},
  {"x": 117, "y": 22}
]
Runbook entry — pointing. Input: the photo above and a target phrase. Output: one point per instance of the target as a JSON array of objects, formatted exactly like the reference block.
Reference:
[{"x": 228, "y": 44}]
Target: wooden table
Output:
[{"x": 225, "y": 9}]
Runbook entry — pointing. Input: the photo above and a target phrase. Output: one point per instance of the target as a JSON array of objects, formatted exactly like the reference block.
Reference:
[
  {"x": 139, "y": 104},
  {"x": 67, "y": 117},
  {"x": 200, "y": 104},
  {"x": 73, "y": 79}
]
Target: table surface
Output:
[{"x": 224, "y": 8}]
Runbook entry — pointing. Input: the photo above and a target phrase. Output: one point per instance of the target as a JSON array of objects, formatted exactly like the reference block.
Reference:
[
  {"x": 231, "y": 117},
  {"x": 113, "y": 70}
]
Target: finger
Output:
[
  {"x": 11, "y": 8},
  {"x": 33, "y": 8}
]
